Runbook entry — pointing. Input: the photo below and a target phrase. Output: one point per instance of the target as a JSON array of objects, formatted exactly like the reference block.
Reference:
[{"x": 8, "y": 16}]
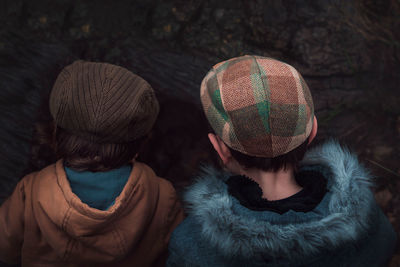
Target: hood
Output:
[
  {"x": 343, "y": 216},
  {"x": 72, "y": 228}
]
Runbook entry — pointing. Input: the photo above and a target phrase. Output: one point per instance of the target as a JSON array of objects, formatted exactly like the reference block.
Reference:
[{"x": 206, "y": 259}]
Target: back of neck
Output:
[{"x": 275, "y": 185}]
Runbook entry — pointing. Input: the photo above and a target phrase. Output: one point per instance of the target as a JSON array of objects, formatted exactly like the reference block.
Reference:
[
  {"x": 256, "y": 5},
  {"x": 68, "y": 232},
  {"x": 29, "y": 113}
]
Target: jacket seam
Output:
[
  {"x": 121, "y": 241},
  {"x": 66, "y": 218},
  {"x": 66, "y": 253},
  {"x": 64, "y": 228},
  {"x": 116, "y": 237}
]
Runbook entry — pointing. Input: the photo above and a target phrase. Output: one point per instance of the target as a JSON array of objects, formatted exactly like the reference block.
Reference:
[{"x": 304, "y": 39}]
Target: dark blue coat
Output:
[{"x": 346, "y": 229}]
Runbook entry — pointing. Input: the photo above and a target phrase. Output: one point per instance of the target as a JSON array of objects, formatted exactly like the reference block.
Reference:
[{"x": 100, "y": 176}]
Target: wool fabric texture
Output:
[
  {"x": 103, "y": 103},
  {"x": 259, "y": 106}
]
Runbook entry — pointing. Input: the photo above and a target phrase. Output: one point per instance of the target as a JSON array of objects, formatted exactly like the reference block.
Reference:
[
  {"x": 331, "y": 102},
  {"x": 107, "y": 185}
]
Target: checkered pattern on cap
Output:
[{"x": 259, "y": 106}]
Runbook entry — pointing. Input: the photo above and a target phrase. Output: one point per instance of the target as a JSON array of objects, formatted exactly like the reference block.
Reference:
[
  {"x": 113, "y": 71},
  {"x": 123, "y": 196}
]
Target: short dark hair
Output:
[
  {"x": 83, "y": 155},
  {"x": 52, "y": 143},
  {"x": 290, "y": 159}
]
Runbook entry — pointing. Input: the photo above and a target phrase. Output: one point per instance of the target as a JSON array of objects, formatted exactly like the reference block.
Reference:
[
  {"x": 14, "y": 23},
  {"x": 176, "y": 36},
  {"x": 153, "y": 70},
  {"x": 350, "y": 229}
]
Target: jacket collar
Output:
[
  {"x": 92, "y": 230},
  {"x": 135, "y": 177},
  {"x": 342, "y": 217}
]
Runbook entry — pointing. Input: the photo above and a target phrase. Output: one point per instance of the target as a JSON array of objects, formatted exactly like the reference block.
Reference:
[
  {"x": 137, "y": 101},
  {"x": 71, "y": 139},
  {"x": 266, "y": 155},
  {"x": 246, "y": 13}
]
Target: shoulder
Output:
[
  {"x": 188, "y": 247},
  {"x": 339, "y": 160},
  {"x": 165, "y": 188},
  {"x": 38, "y": 178},
  {"x": 347, "y": 178},
  {"x": 184, "y": 244},
  {"x": 168, "y": 205},
  {"x": 46, "y": 179},
  {"x": 28, "y": 186},
  {"x": 186, "y": 230}
]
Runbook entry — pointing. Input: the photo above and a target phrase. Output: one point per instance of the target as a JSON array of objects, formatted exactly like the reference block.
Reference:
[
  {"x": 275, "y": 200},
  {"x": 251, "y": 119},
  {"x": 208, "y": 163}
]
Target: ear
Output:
[
  {"x": 313, "y": 130},
  {"x": 219, "y": 146}
]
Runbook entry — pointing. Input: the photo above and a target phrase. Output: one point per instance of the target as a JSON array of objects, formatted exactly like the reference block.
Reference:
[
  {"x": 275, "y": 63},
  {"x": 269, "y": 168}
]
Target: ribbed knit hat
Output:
[
  {"x": 103, "y": 103},
  {"x": 259, "y": 106}
]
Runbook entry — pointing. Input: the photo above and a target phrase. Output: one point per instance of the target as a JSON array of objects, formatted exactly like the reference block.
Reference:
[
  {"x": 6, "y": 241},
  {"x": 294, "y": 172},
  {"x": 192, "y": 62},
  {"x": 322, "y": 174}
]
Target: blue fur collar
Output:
[{"x": 346, "y": 215}]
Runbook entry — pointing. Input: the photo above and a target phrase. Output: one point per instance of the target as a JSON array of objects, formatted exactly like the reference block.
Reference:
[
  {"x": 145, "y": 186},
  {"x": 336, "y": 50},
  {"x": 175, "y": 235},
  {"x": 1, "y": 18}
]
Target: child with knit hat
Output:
[
  {"x": 96, "y": 205},
  {"x": 275, "y": 203}
]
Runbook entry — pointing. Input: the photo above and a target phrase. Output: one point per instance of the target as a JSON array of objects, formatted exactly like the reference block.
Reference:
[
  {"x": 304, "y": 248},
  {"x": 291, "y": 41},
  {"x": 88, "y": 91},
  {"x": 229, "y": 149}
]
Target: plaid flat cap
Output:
[{"x": 259, "y": 106}]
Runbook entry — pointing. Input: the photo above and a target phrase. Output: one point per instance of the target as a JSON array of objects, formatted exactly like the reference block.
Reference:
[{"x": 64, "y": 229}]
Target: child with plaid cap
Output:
[
  {"x": 275, "y": 203},
  {"x": 96, "y": 205}
]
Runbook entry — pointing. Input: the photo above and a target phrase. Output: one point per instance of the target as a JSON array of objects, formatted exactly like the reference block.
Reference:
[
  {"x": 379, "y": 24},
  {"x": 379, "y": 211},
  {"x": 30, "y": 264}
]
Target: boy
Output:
[
  {"x": 96, "y": 205},
  {"x": 264, "y": 209}
]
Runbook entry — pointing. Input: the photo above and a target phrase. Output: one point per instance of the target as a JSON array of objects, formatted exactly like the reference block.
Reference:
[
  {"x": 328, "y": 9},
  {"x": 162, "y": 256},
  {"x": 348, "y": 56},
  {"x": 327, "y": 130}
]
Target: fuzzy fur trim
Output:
[{"x": 348, "y": 219}]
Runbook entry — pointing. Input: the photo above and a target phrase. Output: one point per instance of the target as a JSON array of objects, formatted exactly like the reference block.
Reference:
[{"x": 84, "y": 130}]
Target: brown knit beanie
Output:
[{"x": 103, "y": 103}]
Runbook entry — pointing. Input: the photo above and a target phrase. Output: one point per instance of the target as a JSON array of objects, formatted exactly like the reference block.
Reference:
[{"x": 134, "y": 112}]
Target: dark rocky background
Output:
[{"x": 348, "y": 52}]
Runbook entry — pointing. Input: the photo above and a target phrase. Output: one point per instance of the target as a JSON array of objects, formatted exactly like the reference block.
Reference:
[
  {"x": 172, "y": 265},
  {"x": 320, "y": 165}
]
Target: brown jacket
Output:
[{"x": 44, "y": 224}]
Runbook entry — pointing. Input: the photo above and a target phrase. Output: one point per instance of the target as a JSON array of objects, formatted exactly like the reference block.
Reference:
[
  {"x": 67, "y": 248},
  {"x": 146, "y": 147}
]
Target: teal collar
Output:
[{"x": 98, "y": 189}]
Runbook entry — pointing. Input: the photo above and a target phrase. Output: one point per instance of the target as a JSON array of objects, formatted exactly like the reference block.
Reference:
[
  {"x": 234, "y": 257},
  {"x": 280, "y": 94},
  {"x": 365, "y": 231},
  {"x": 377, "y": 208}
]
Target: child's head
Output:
[
  {"x": 261, "y": 111},
  {"x": 103, "y": 114}
]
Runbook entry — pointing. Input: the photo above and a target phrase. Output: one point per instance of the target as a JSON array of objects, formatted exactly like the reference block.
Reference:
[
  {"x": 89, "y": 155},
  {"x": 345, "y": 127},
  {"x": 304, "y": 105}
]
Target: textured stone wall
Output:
[{"x": 348, "y": 52}]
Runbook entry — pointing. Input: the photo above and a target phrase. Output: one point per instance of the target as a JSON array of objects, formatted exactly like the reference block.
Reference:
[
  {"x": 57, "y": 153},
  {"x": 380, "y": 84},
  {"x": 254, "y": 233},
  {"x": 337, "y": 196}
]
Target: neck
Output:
[{"x": 275, "y": 185}]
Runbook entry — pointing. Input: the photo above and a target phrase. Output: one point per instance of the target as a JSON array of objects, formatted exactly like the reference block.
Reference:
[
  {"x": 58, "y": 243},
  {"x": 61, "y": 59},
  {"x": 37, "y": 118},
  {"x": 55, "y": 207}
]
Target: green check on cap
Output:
[{"x": 259, "y": 106}]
